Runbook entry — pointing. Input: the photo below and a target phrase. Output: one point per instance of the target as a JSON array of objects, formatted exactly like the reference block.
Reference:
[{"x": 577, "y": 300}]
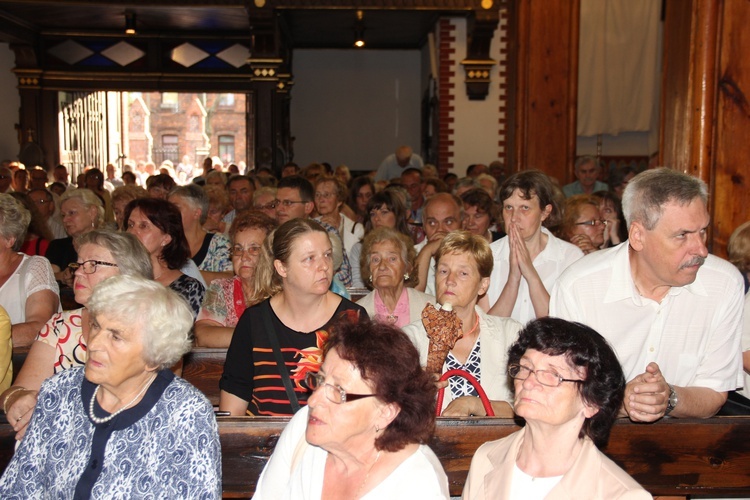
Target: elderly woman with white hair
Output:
[
  {"x": 128, "y": 426},
  {"x": 28, "y": 290},
  {"x": 82, "y": 211}
]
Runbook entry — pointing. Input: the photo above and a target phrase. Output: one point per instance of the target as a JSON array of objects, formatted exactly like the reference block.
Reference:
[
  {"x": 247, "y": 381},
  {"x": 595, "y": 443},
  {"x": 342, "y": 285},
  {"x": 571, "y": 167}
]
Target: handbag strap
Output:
[{"x": 279, "y": 357}]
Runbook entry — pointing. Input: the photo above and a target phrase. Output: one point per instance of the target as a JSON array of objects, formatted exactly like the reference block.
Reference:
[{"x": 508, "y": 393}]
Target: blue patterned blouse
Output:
[{"x": 167, "y": 446}]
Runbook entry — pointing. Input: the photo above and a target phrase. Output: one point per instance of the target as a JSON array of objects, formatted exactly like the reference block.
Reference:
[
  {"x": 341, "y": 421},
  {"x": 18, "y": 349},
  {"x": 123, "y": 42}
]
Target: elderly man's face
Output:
[
  {"x": 44, "y": 203},
  {"x": 675, "y": 249},
  {"x": 440, "y": 218},
  {"x": 587, "y": 174},
  {"x": 413, "y": 184},
  {"x": 240, "y": 194}
]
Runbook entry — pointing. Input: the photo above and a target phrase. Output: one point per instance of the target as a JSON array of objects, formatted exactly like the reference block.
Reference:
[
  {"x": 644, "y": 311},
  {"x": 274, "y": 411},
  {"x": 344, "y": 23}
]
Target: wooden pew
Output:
[
  {"x": 674, "y": 457},
  {"x": 203, "y": 367}
]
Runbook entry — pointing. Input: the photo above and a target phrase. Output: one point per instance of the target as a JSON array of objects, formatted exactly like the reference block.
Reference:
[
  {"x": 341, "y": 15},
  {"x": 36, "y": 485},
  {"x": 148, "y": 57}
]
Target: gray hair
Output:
[
  {"x": 263, "y": 190},
  {"x": 585, "y": 160},
  {"x": 88, "y": 199},
  {"x": 130, "y": 255},
  {"x": 646, "y": 194},
  {"x": 164, "y": 317},
  {"x": 196, "y": 196},
  {"x": 402, "y": 241},
  {"x": 14, "y": 220}
]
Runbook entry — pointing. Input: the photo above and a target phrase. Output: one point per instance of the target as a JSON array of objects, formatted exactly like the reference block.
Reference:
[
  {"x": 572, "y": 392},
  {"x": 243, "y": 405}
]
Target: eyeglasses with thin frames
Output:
[
  {"x": 89, "y": 266},
  {"x": 333, "y": 393},
  {"x": 287, "y": 203},
  {"x": 252, "y": 250},
  {"x": 268, "y": 206},
  {"x": 593, "y": 222},
  {"x": 544, "y": 377}
]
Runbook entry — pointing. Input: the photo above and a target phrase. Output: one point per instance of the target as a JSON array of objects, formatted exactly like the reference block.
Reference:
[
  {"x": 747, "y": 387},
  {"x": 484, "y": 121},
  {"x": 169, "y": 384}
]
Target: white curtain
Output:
[{"x": 618, "y": 65}]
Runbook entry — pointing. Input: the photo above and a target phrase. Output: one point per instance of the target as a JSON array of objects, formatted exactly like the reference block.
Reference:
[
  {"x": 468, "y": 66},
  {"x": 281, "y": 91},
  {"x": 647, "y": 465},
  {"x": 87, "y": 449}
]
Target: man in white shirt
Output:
[
  {"x": 672, "y": 312},
  {"x": 393, "y": 165}
]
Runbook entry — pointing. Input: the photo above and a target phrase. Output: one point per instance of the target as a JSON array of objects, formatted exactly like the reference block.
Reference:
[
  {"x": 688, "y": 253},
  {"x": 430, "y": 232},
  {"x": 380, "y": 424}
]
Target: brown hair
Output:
[
  {"x": 572, "y": 210},
  {"x": 251, "y": 219},
  {"x": 278, "y": 246},
  {"x": 387, "y": 360}
]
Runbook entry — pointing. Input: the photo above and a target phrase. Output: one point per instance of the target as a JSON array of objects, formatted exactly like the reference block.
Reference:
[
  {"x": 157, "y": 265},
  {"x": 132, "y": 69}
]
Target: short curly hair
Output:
[
  {"x": 604, "y": 382},
  {"x": 389, "y": 362},
  {"x": 251, "y": 219},
  {"x": 14, "y": 220},
  {"x": 408, "y": 253},
  {"x": 163, "y": 316}
]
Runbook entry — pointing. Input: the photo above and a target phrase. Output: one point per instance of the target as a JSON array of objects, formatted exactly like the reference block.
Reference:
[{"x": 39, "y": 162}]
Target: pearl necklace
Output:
[{"x": 104, "y": 420}]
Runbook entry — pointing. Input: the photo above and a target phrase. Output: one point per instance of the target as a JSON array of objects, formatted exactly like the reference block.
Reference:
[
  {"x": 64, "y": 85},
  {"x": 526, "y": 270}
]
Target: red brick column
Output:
[
  {"x": 446, "y": 94},
  {"x": 502, "y": 63}
]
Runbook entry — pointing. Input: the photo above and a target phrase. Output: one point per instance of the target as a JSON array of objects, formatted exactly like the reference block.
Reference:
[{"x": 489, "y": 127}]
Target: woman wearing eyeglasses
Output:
[
  {"x": 364, "y": 430},
  {"x": 279, "y": 340},
  {"x": 157, "y": 224},
  {"x": 568, "y": 388},
  {"x": 582, "y": 223},
  {"x": 61, "y": 343},
  {"x": 330, "y": 195},
  {"x": 227, "y": 299}
]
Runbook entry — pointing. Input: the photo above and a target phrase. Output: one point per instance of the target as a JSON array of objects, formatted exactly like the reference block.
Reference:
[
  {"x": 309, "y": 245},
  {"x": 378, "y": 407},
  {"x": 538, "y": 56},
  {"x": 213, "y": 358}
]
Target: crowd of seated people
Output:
[{"x": 267, "y": 267}]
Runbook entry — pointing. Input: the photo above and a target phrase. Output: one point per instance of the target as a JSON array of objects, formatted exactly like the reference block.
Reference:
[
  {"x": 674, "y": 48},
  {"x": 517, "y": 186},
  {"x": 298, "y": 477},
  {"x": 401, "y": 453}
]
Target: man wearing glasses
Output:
[
  {"x": 45, "y": 202},
  {"x": 295, "y": 199},
  {"x": 6, "y": 178},
  {"x": 672, "y": 312}
]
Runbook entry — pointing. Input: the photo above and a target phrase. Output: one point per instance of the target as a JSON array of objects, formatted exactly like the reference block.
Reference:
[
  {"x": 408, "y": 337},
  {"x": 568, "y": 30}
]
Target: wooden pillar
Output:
[
  {"x": 705, "y": 112},
  {"x": 544, "y": 61}
]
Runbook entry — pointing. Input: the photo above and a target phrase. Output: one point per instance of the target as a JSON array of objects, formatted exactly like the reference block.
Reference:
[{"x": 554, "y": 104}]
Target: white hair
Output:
[{"x": 163, "y": 316}]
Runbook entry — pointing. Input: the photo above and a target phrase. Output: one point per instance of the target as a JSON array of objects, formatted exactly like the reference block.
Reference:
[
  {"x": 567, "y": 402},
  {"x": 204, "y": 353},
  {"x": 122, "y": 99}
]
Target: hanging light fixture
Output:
[
  {"x": 359, "y": 31},
  {"x": 129, "y": 22}
]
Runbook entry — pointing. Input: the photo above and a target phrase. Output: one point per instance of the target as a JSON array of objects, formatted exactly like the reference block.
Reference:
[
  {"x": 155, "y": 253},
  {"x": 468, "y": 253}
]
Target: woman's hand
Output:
[
  {"x": 20, "y": 408},
  {"x": 465, "y": 406},
  {"x": 515, "y": 241},
  {"x": 583, "y": 242}
]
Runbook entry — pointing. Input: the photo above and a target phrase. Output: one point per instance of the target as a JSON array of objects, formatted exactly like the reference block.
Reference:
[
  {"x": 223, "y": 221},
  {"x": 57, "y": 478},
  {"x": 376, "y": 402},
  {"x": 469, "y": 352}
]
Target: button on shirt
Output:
[{"x": 693, "y": 334}]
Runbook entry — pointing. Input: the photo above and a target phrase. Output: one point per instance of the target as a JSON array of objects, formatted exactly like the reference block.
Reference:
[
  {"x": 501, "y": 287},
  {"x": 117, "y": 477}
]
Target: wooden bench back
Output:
[{"x": 675, "y": 457}]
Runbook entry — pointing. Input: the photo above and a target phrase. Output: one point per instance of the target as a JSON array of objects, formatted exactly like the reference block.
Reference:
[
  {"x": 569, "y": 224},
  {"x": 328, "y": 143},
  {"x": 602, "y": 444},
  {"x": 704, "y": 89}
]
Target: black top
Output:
[
  {"x": 61, "y": 252},
  {"x": 201, "y": 255},
  {"x": 250, "y": 370}
]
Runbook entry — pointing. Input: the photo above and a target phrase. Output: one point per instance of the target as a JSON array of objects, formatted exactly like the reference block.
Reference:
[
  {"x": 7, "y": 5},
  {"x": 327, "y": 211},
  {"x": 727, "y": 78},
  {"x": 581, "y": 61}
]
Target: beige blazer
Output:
[
  {"x": 417, "y": 301},
  {"x": 593, "y": 476}
]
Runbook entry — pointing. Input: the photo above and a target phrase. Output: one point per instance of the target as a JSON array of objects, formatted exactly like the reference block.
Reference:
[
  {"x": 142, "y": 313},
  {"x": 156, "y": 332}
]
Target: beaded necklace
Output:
[{"x": 98, "y": 420}]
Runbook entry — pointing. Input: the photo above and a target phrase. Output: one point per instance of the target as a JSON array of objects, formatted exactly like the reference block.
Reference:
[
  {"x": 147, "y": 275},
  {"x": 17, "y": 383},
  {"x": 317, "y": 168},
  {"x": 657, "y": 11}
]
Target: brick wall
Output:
[{"x": 446, "y": 93}]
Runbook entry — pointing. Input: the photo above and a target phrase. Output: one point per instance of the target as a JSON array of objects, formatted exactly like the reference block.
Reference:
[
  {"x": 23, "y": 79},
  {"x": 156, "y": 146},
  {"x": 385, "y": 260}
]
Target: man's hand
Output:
[{"x": 646, "y": 396}]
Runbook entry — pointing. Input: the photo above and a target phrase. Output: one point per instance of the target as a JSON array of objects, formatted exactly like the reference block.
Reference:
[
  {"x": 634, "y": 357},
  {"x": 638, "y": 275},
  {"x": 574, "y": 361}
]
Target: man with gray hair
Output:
[
  {"x": 587, "y": 171},
  {"x": 672, "y": 312}
]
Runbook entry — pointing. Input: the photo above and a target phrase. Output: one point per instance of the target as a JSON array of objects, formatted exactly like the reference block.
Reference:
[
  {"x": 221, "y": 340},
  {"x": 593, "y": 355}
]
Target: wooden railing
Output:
[{"x": 671, "y": 457}]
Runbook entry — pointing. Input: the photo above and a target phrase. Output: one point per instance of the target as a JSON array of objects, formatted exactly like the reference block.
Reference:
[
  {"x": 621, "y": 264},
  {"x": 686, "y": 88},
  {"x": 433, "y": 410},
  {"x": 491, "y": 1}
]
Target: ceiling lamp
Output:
[
  {"x": 359, "y": 31},
  {"x": 129, "y": 22}
]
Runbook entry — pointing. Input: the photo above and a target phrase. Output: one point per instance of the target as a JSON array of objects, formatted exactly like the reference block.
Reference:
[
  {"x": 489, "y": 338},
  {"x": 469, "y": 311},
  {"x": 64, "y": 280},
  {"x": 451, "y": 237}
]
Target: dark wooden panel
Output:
[
  {"x": 203, "y": 368},
  {"x": 675, "y": 457}
]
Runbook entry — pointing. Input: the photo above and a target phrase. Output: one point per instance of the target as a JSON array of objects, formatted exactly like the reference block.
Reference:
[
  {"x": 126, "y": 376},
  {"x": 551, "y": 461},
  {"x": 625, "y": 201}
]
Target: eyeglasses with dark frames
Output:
[
  {"x": 544, "y": 377},
  {"x": 89, "y": 266},
  {"x": 333, "y": 393},
  {"x": 593, "y": 222},
  {"x": 287, "y": 203}
]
